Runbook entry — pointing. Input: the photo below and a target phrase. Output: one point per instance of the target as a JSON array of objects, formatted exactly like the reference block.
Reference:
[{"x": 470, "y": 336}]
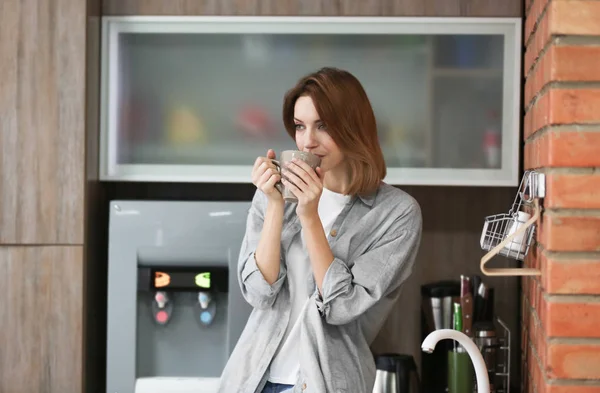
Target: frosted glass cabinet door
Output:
[{"x": 199, "y": 98}]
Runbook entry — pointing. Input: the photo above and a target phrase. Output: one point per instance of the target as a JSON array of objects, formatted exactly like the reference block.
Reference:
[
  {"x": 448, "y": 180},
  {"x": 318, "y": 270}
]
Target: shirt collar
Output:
[{"x": 368, "y": 199}]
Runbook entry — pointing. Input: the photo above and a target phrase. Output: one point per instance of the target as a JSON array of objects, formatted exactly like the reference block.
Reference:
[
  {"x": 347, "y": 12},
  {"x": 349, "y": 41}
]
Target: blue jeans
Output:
[{"x": 276, "y": 388}]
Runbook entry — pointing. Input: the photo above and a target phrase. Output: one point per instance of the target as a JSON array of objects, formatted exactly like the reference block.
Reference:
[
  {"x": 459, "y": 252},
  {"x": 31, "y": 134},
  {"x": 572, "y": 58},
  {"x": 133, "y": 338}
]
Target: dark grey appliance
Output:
[
  {"x": 175, "y": 310},
  {"x": 436, "y": 313}
]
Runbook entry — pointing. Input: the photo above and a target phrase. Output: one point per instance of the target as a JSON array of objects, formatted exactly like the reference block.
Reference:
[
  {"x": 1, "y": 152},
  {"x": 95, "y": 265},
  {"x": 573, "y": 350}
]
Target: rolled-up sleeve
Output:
[
  {"x": 378, "y": 273},
  {"x": 255, "y": 289}
]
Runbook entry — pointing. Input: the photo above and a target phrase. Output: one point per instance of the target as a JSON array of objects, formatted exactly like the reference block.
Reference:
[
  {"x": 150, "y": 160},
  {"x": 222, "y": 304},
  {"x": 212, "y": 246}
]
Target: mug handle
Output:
[{"x": 278, "y": 185}]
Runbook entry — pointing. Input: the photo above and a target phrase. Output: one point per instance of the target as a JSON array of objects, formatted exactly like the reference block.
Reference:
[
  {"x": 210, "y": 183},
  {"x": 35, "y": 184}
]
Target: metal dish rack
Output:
[
  {"x": 503, "y": 369},
  {"x": 507, "y": 234},
  {"x": 500, "y": 382}
]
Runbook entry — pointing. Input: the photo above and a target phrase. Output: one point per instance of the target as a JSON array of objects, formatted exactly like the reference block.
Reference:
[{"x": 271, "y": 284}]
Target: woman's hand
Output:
[
  {"x": 306, "y": 184},
  {"x": 265, "y": 175}
]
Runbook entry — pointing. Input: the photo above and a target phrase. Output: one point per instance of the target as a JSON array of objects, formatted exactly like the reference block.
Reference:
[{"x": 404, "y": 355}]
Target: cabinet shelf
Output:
[{"x": 223, "y": 78}]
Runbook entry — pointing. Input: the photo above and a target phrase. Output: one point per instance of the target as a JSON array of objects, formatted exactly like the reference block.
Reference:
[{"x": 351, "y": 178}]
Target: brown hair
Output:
[{"x": 343, "y": 105}]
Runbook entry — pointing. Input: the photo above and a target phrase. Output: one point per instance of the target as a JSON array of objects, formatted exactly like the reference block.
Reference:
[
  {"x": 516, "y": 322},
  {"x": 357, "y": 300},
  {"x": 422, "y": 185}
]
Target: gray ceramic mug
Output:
[{"x": 284, "y": 158}]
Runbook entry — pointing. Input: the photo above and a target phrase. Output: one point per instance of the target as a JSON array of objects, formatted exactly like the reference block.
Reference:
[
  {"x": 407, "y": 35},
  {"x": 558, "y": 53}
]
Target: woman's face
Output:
[{"x": 312, "y": 135}]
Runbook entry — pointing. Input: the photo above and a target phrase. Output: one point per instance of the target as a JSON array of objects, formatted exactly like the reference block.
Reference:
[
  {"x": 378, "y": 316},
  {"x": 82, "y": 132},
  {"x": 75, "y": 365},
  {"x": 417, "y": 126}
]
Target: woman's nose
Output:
[{"x": 310, "y": 140}]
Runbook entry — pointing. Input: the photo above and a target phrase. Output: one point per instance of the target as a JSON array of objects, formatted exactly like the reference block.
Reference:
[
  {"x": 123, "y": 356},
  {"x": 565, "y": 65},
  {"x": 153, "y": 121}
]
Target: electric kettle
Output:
[{"x": 396, "y": 373}]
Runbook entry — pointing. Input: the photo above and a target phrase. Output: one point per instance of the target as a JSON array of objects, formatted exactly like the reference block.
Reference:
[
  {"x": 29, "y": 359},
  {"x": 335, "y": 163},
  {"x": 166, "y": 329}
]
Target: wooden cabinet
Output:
[
  {"x": 506, "y": 8},
  {"x": 41, "y": 324},
  {"x": 42, "y": 112},
  {"x": 42, "y": 190},
  {"x": 197, "y": 99}
]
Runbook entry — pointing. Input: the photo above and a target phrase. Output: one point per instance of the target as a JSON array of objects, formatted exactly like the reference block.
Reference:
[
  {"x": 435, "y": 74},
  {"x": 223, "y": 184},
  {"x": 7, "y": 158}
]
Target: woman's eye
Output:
[
  {"x": 299, "y": 126},
  {"x": 322, "y": 127}
]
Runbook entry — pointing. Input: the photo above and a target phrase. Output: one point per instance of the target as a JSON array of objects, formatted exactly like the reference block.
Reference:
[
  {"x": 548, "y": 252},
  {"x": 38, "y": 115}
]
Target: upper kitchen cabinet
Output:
[{"x": 197, "y": 99}]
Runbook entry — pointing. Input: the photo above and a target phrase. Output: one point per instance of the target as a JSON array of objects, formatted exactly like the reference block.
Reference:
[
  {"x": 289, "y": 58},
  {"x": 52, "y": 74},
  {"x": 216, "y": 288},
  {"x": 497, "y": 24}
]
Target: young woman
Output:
[{"x": 323, "y": 274}]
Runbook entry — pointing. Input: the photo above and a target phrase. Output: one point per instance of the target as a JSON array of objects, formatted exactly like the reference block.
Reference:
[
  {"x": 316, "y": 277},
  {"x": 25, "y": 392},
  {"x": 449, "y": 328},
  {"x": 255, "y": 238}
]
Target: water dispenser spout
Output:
[
  {"x": 161, "y": 299},
  {"x": 207, "y": 307},
  {"x": 204, "y": 299}
]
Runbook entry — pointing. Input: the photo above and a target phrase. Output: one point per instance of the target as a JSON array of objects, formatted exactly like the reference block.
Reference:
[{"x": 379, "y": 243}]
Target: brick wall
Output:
[{"x": 561, "y": 309}]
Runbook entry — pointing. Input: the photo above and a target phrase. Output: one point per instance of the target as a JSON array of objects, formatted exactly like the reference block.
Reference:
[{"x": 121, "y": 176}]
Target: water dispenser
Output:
[{"x": 175, "y": 309}]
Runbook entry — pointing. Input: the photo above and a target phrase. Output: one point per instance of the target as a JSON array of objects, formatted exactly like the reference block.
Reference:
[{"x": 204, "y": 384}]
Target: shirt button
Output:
[{"x": 333, "y": 232}]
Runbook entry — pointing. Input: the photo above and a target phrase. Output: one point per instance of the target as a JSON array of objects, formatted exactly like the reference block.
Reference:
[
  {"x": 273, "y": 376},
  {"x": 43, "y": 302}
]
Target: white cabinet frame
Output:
[{"x": 510, "y": 28}]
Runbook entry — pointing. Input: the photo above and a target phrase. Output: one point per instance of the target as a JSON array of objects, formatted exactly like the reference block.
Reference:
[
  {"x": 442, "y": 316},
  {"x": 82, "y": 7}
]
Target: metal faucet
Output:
[{"x": 428, "y": 345}]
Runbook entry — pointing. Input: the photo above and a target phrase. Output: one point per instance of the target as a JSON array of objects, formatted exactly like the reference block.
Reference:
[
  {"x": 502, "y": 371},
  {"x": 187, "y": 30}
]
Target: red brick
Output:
[
  {"x": 566, "y": 233},
  {"x": 532, "y": 363},
  {"x": 574, "y": 106},
  {"x": 541, "y": 311},
  {"x": 528, "y": 4},
  {"x": 525, "y": 286},
  {"x": 572, "y": 276},
  {"x": 537, "y": 376},
  {"x": 563, "y": 148},
  {"x": 532, "y": 17},
  {"x": 524, "y": 340},
  {"x": 573, "y": 361},
  {"x": 533, "y": 295},
  {"x": 537, "y": 338},
  {"x": 531, "y": 259},
  {"x": 537, "y": 116},
  {"x": 573, "y": 319},
  {"x": 530, "y": 385},
  {"x": 563, "y": 64},
  {"x": 561, "y": 18},
  {"x": 570, "y": 122},
  {"x": 575, "y": 17},
  {"x": 541, "y": 378},
  {"x": 524, "y": 334},
  {"x": 573, "y": 191},
  {"x": 535, "y": 45},
  {"x": 563, "y": 106},
  {"x": 540, "y": 76},
  {"x": 575, "y": 63}
]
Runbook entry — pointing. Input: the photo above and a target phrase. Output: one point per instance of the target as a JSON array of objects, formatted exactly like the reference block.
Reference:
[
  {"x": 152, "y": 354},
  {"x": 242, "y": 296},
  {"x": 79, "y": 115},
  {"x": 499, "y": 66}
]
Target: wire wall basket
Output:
[{"x": 511, "y": 234}]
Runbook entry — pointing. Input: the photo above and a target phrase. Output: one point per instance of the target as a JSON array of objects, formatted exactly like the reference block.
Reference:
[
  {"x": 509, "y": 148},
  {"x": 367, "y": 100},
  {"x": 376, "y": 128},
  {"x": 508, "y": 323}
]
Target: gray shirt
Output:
[{"x": 374, "y": 241}]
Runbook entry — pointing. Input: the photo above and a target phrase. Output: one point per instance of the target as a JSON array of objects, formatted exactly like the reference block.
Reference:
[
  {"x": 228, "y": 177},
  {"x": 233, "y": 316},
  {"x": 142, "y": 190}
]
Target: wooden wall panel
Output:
[
  {"x": 483, "y": 8},
  {"x": 41, "y": 319},
  {"x": 42, "y": 63}
]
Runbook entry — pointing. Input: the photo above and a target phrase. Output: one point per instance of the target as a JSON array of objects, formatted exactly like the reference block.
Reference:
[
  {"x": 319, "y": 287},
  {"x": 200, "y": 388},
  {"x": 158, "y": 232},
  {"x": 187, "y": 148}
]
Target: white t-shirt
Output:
[{"x": 285, "y": 365}]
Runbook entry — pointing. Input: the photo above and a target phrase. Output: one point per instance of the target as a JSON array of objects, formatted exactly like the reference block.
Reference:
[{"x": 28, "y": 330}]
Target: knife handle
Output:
[{"x": 466, "y": 303}]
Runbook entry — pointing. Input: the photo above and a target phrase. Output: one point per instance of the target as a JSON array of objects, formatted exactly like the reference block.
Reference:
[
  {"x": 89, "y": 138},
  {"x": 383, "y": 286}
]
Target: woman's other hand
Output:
[
  {"x": 265, "y": 176},
  {"x": 306, "y": 184}
]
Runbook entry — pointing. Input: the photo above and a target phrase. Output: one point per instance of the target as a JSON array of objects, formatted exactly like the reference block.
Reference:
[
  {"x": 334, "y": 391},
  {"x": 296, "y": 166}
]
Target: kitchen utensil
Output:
[
  {"x": 436, "y": 308},
  {"x": 396, "y": 373},
  {"x": 447, "y": 312},
  {"x": 487, "y": 341},
  {"x": 461, "y": 373},
  {"x": 501, "y": 229},
  {"x": 458, "y": 320},
  {"x": 488, "y": 306},
  {"x": 479, "y": 302},
  {"x": 285, "y": 157},
  {"x": 466, "y": 302}
]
